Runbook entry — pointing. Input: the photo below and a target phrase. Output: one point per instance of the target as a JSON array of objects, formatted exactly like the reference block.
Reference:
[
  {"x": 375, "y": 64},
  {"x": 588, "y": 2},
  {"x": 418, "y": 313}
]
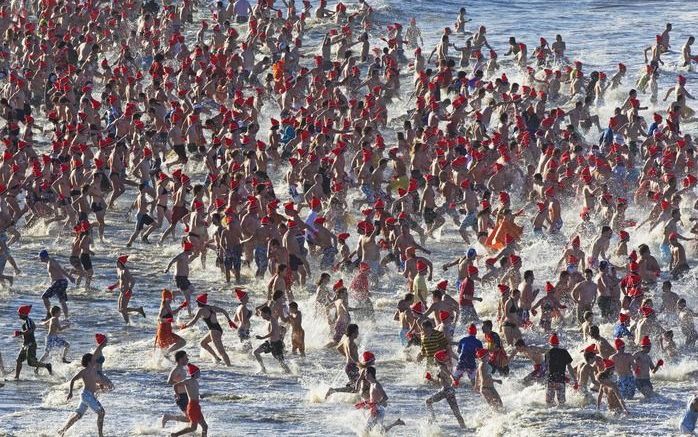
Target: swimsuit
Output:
[
  {"x": 261, "y": 258},
  {"x": 276, "y": 348},
  {"x": 626, "y": 385},
  {"x": 328, "y": 256},
  {"x": 58, "y": 289},
  {"x": 182, "y": 400},
  {"x": 54, "y": 341},
  {"x": 212, "y": 323},
  {"x": 182, "y": 282},
  {"x": 164, "y": 337},
  {"x": 88, "y": 400},
  {"x": 194, "y": 412},
  {"x": 233, "y": 257}
]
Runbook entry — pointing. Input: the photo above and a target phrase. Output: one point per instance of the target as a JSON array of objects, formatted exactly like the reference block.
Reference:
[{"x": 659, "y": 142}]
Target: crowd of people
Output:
[{"x": 224, "y": 134}]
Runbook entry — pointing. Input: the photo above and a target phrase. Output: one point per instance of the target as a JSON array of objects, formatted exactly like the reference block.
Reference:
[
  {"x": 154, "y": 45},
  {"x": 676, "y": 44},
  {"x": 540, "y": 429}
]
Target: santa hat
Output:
[
  {"x": 472, "y": 329},
  {"x": 554, "y": 340},
  {"x": 100, "y": 338},
  {"x": 645, "y": 341},
  {"x": 417, "y": 307},
  {"x": 192, "y": 369},
  {"x": 24, "y": 310},
  {"x": 240, "y": 294},
  {"x": 202, "y": 298}
]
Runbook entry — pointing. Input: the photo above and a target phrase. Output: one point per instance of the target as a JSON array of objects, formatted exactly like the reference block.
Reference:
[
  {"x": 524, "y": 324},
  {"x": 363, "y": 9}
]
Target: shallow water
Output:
[{"x": 237, "y": 400}]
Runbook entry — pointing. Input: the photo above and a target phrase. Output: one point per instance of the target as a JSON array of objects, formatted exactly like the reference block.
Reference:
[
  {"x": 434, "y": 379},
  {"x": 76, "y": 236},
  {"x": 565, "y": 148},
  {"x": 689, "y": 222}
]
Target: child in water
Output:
[{"x": 53, "y": 340}]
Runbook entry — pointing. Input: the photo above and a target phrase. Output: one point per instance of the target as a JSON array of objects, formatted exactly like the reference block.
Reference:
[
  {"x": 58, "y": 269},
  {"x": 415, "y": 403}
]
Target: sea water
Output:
[{"x": 238, "y": 400}]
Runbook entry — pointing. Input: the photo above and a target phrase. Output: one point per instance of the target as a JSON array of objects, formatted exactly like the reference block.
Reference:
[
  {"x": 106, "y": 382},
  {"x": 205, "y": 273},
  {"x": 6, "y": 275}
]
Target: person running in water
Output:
[
  {"x": 89, "y": 377},
  {"x": 28, "y": 351}
]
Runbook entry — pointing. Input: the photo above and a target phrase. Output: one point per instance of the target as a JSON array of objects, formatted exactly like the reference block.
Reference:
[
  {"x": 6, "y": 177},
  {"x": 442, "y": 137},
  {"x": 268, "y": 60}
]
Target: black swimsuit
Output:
[{"x": 212, "y": 325}]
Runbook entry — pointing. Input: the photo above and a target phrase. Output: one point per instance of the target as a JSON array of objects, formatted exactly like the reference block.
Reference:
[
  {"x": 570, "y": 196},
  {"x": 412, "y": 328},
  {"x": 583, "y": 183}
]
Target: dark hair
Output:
[
  {"x": 520, "y": 342},
  {"x": 85, "y": 361},
  {"x": 352, "y": 328},
  {"x": 293, "y": 305},
  {"x": 487, "y": 323},
  {"x": 594, "y": 331},
  {"x": 427, "y": 324},
  {"x": 180, "y": 354}
]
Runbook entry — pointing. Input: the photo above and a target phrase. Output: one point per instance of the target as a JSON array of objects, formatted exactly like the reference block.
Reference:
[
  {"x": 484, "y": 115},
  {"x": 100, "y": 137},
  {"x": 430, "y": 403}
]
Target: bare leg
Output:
[
  {"x": 71, "y": 421},
  {"x": 218, "y": 344},
  {"x": 205, "y": 345}
]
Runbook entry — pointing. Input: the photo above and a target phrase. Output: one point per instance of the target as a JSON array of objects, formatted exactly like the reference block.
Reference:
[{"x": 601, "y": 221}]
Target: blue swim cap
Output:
[
  {"x": 471, "y": 252},
  {"x": 43, "y": 254}
]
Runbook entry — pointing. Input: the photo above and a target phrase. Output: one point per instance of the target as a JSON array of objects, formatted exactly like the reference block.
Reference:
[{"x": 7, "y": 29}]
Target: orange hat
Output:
[
  {"x": 645, "y": 342},
  {"x": 441, "y": 356},
  {"x": 472, "y": 329},
  {"x": 368, "y": 358},
  {"x": 554, "y": 340},
  {"x": 100, "y": 338},
  {"x": 618, "y": 344},
  {"x": 240, "y": 294},
  {"x": 481, "y": 353},
  {"x": 443, "y": 315},
  {"x": 202, "y": 298},
  {"x": 166, "y": 294},
  {"x": 192, "y": 369}
]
